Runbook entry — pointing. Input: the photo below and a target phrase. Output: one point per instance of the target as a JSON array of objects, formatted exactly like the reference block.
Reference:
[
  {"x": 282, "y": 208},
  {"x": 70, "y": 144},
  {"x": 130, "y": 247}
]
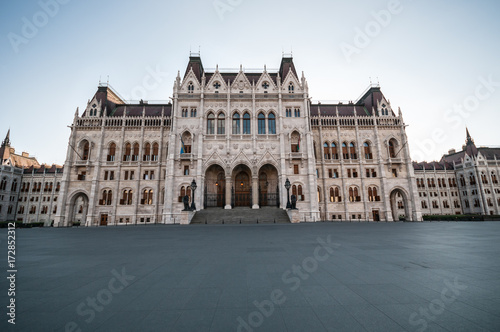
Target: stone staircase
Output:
[{"x": 243, "y": 215}]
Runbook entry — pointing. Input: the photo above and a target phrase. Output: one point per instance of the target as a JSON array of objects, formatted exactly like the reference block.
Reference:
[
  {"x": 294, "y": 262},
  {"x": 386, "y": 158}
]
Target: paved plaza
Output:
[{"x": 305, "y": 277}]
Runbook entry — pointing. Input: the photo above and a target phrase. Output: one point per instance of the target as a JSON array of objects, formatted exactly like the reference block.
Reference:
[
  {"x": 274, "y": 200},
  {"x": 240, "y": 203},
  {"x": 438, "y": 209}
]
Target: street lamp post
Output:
[
  {"x": 287, "y": 186},
  {"x": 193, "y": 188}
]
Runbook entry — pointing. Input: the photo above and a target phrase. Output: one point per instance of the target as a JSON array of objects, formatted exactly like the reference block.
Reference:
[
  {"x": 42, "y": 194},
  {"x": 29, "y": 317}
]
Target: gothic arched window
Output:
[
  {"x": 221, "y": 124},
  {"x": 368, "y": 151},
  {"x": 210, "y": 124},
  {"x": 271, "y": 123},
  {"x": 246, "y": 124},
  {"x": 236, "y": 124},
  {"x": 262, "y": 123}
]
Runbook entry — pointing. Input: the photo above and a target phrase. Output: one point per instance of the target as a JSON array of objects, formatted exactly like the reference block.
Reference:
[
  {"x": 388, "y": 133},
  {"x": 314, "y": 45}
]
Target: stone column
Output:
[
  {"x": 228, "y": 193},
  {"x": 255, "y": 192}
]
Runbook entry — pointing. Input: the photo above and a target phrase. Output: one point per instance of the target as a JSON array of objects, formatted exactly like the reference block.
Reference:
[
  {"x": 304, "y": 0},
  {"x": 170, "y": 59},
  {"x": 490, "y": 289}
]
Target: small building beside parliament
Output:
[{"x": 240, "y": 135}]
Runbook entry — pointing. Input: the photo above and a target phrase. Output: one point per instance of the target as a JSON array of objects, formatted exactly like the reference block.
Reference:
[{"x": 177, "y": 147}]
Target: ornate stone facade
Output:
[
  {"x": 463, "y": 182},
  {"x": 239, "y": 135},
  {"x": 28, "y": 190}
]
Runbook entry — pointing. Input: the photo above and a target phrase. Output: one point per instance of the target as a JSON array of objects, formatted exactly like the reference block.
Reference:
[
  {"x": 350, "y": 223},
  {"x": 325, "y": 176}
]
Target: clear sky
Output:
[{"x": 437, "y": 60}]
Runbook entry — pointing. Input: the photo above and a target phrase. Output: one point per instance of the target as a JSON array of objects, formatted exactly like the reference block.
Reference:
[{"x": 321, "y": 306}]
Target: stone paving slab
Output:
[{"x": 305, "y": 277}]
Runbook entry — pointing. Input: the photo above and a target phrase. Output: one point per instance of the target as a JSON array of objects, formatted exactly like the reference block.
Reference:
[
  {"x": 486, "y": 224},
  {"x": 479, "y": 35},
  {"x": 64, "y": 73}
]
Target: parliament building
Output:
[{"x": 239, "y": 135}]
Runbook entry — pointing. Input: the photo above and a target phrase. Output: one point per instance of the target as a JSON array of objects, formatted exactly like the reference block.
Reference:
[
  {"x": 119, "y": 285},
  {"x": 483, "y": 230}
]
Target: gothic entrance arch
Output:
[
  {"x": 215, "y": 186},
  {"x": 399, "y": 205},
  {"x": 79, "y": 205},
  {"x": 242, "y": 186},
  {"x": 268, "y": 186}
]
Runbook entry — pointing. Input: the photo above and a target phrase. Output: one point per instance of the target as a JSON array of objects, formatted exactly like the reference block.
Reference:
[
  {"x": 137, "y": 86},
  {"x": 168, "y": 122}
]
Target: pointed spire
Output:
[
  {"x": 469, "y": 138},
  {"x": 265, "y": 68},
  {"x": 6, "y": 141},
  {"x": 241, "y": 68},
  {"x": 470, "y": 147},
  {"x": 217, "y": 68}
]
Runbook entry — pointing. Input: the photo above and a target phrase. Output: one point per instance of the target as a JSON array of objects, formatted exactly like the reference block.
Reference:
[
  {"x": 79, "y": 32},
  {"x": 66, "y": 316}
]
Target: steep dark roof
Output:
[
  {"x": 371, "y": 97},
  {"x": 115, "y": 106},
  {"x": 197, "y": 66},
  {"x": 108, "y": 99},
  {"x": 434, "y": 165},
  {"x": 454, "y": 157},
  {"x": 252, "y": 77},
  {"x": 136, "y": 110},
  {"x": 364, "y": 106},
  {"x": 287, "y": 66},
  {"x": 44, "y": 169},
  {"x": 344, "y": 110},
  {"x": 490, "y": 153}
]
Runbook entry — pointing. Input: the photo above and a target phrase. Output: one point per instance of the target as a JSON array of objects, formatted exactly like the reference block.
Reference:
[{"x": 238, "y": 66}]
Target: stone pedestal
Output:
[
  {"x": 294, "y": 216},
  {"x": 182, "y": 218}
]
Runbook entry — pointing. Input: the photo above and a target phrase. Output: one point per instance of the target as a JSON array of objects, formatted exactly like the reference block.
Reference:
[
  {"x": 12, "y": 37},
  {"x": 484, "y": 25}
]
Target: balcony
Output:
[
  {"x": 83, "y": 163},
  {"x": 296, "y": 155},
  {"x": 395, "y": 160},
  {"x": 186, "y": 156}
]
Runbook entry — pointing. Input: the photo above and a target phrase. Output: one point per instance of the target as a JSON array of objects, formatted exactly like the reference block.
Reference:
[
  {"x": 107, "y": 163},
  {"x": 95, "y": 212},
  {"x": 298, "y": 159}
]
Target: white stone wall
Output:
[
  {"x": 9, "y": 197},
  {"x": 39, "y": 205}
]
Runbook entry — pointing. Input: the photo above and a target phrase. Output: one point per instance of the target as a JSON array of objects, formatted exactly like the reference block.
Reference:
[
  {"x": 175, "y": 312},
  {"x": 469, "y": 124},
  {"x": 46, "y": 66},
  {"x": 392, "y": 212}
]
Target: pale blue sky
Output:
[{"x": 428, "y": 58}]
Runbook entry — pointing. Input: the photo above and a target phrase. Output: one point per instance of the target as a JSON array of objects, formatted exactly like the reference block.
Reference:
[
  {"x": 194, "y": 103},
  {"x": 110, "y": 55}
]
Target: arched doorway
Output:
[
  {"x": 268, "y": 186},
  {"x": 215, "y": 186},
  {"x": 242, "y": 186},
  {"x": 399, "y": 205},
  {"x": 79, "y": 205}
]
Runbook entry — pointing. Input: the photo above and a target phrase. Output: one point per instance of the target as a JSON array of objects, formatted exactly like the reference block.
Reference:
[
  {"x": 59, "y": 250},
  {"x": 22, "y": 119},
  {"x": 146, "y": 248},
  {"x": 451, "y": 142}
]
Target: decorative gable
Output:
[
  {"x": 265, "y": 84},
  {"x": 94, "y": 108},
  {"x": 241, "y": 83},
  {"x": 216, "y": 83},
  {"x": 291, "y": 83},
  {"x": 190, "y": 84},
  {"x": 384, "y": 108}
]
